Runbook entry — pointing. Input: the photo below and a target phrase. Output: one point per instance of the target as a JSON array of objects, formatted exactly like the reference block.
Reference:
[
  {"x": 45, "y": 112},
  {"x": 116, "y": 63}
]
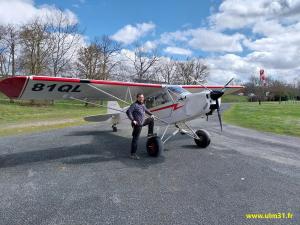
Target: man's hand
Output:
[
  {"x": 134, "y": 122},
  {"x": 152, "y": 116}
]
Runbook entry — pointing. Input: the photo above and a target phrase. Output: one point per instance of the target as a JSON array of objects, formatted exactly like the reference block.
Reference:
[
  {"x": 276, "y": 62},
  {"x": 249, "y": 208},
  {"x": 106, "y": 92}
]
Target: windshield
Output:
[{"x": 177, "y": 90}]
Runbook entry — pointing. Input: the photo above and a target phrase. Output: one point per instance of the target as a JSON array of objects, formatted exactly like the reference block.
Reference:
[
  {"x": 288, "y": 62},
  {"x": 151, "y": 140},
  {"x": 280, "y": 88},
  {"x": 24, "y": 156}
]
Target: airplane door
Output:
[{"x": 160, "y": 105}]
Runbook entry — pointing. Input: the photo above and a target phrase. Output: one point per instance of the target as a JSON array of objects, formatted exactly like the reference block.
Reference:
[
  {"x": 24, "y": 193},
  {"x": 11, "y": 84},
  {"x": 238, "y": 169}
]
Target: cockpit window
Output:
[
  {"x": 177, "y": 90},
  {"x": 158, "y": 99}
]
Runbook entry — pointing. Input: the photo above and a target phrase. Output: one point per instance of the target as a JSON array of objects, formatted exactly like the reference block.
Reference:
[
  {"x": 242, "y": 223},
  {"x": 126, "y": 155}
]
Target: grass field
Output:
[
  {"x": 234, "y": 98},
  {"x": 17, "y": 118},
  {"x": 281, "y": 118}
]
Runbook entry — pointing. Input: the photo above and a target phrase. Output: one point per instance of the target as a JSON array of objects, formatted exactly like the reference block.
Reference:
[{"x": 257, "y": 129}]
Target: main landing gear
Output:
[
  {"x": 203, "y": 139},
  {"x": 154, "y": 146}
]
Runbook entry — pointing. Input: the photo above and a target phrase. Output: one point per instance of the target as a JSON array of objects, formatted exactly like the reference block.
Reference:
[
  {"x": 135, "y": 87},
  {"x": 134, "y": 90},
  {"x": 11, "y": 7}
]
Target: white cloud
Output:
[
  {"x": 225, "y": 67},
  {"x": 149, "y": 45},
  {"x": 129, "y": 33},
  {"x": 204, "y": 39},
  {"x": 171, "y": 38},
  {"x": 19, "y": 12},
  {"x": 235, "y": 14},
  {"x": 209, "y": 40},
  {"x": 178, "y": 51}
]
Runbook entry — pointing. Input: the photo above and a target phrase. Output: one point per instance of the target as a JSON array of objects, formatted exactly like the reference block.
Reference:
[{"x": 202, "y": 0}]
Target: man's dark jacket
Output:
[{"x": 137, "y": 111}]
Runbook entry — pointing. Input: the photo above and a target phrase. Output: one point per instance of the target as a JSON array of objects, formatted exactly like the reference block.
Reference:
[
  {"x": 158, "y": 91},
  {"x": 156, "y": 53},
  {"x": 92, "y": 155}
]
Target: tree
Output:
[
  {"x": 143, "y": 61},
  {"x": 278, "y": 89},
  {"x": 36, "y": 46},
  {"x": 88, "y": 63},
  {"x": 64, "y": 40},
  {"x": 97, "y": 60},
  {"x": 9, "y": 40},
  {"x": 108, "y": 49},
  {"x": 168, "y": 71},
  {"x": 190, "y": 70}
]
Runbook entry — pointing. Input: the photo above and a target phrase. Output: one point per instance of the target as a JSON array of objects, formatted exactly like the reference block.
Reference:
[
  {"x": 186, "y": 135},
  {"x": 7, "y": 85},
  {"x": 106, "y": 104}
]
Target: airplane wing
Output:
[
  {"x": 52, "y": 88},
  {"x": 198, "y": 88}
]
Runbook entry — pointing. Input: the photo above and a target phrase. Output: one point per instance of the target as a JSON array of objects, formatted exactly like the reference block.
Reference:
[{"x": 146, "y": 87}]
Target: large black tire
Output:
[
  {"x": 204, "y": 140},
  {"x": 154, "y": 146}
]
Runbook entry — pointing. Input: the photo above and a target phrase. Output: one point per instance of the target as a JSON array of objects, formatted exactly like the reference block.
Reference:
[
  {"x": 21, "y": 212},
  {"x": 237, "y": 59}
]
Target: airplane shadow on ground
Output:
[{"x": 105, "y": 146}]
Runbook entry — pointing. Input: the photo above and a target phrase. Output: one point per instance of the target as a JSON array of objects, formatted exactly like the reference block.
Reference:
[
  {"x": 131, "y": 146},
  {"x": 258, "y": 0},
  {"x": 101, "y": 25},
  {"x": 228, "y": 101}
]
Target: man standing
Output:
[{"x": 136, "y": 113}]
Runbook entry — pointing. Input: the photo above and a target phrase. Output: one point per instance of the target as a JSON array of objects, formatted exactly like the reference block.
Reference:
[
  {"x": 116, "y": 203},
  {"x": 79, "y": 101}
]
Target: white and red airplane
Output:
[{"x": 171, "y": 104}]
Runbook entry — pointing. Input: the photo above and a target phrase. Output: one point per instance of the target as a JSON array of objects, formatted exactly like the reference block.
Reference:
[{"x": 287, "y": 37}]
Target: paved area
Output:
[{"x": 82, "y": 175}]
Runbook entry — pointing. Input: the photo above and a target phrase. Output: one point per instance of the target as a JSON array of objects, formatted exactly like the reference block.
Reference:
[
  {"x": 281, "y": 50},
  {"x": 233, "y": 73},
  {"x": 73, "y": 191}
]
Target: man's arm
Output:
[
  {"x": 147, "y": 111},
  {"x": 129, "y": 112}
]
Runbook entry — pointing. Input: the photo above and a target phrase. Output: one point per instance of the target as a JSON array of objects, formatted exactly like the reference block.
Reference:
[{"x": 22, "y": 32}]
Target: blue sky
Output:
[
  {"x": 107, "y": 16},
  {"x": 235, "y": 38}
]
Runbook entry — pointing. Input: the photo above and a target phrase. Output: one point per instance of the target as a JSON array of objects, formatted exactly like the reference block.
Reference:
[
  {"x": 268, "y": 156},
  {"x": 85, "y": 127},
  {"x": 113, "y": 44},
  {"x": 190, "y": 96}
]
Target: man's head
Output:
[{"x": 140, "y": 98}]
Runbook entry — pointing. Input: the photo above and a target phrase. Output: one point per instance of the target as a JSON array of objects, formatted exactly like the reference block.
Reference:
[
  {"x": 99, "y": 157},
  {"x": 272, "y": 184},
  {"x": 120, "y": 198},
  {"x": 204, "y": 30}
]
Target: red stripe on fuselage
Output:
[{"x": 174, "y": 106}]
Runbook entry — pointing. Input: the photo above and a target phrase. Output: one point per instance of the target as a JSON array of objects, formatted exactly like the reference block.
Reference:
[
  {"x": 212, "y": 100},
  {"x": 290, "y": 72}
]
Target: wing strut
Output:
[
  {"x": 108, "y": 94},
  {"x": 100, "y": 105}
]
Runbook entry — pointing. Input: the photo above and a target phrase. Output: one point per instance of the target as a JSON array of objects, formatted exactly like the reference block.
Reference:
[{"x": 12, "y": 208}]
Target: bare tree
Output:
[
  {"x": 9, "y": 39},
  {"x": 88, "y": 63},
  {"x": 201, "y": 70},
  {"x": 184, "y": 72},
  {"x": 64, "y": 40},
  {"x": 278, "y": 89},
  {"x": 108, "y": 49},
  {"x": 97, "y": 60},
  {"x": 3, "y": 52},
  {"x": 190, "y": 70},
  {"x": 143, "y": 61},
  {"x": 168, "y": 71},
  {"x": 35, "y": 47}
]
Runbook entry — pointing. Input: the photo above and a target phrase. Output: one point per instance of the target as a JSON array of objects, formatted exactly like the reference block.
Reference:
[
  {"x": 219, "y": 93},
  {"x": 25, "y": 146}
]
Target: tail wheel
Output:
[
  {"x": 114, "y": 127},
  {"x": 154, "y": 146},
  {"x": 204, "y": 139}
]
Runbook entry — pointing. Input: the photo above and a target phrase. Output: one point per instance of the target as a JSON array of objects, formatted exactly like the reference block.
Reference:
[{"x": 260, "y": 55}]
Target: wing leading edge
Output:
[{"x": 42, "y": 87}]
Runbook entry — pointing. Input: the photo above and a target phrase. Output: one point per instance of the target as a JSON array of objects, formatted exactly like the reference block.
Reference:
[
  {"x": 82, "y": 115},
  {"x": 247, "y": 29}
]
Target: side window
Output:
[
  {"x": 158, "y": 99},
  {"x": 150, "y": 102}
]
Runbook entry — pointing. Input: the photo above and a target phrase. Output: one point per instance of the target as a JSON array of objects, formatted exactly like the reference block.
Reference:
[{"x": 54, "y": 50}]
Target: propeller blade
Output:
[
  {"x": 227, "y": 84},
  {"x": 197, "y": 82},
  {"x": 219, "y": 115}
]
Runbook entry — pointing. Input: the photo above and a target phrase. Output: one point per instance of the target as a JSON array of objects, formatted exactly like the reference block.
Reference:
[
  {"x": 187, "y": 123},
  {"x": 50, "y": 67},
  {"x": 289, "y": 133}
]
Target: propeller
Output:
[
  {"x": 215, "y": 95},
  {"x": 225, "y": 86}
]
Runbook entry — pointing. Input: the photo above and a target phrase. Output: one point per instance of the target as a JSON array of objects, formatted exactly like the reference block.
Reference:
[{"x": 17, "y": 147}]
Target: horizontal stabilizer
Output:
[{"x": 100, "y": 118}]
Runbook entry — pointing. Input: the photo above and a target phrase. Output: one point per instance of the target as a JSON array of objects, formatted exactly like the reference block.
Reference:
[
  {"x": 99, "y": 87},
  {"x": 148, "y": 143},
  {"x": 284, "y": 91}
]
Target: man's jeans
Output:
[{"x": 137, "y": 131}]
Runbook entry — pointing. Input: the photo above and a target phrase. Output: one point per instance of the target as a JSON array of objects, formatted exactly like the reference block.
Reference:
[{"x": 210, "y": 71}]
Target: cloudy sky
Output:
[{"x": 235, "y": 37}]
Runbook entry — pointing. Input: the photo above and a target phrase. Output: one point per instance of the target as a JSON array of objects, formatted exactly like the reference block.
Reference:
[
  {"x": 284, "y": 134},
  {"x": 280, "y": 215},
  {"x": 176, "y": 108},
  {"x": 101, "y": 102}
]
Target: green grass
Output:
[
  {"x": 270, "y": 116},
  {"x": 234, "y": 98},
  {"x": 17, "y": 117}
]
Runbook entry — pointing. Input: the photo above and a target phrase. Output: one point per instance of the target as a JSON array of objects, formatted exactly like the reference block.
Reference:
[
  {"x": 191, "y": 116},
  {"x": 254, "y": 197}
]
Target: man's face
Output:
[{"x": 141, "y": 98}]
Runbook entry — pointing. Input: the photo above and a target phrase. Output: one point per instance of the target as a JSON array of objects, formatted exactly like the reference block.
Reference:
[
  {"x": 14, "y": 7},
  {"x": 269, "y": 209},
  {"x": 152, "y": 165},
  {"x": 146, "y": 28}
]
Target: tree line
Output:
[
  {"x": 54, "y": 46},
  {"x": 274, "y": 90}
]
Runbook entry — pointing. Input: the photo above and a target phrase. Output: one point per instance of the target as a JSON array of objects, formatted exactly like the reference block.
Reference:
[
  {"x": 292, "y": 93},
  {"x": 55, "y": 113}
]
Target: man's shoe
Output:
[
  {"x": 134, "y": 156},
  {"x": 151, "y": 135}
]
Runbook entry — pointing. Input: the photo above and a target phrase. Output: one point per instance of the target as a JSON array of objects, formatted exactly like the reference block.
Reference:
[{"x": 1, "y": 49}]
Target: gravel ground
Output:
[{"x": 82, "y": 175}]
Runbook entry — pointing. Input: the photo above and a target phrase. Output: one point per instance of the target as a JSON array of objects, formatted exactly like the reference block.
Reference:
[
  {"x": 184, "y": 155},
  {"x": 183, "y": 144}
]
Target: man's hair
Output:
[{"x": 139, "y": 94}]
